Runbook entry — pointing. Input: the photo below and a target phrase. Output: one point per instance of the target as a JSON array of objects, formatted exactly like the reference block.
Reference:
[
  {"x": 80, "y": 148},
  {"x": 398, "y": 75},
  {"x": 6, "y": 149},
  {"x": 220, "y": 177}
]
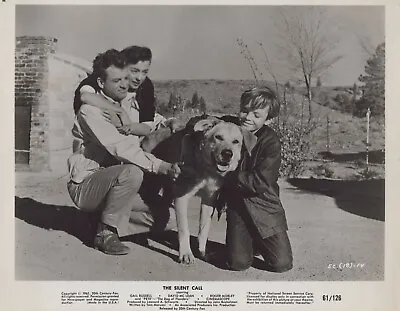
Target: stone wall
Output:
[
  {"x": 44, "y": 88},
  {"x": 31, "y": 85}
]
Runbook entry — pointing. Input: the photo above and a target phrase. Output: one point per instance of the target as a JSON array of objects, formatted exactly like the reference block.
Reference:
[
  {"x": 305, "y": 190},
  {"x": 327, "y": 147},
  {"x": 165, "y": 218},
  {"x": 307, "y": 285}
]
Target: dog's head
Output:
[{"x": 220, "y": 144}]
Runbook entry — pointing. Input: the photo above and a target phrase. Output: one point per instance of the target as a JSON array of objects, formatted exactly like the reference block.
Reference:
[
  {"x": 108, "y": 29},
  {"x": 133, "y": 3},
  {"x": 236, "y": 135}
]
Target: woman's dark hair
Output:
[{"x": 135, "y": 54}]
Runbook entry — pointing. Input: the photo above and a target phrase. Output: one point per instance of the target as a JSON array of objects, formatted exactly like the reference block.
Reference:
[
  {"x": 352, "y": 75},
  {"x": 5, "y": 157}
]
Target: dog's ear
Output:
[
  {"x": 249, "y": 140},
  {"x": 192, "y": 121},
  {"x": 206, "y": 124}
]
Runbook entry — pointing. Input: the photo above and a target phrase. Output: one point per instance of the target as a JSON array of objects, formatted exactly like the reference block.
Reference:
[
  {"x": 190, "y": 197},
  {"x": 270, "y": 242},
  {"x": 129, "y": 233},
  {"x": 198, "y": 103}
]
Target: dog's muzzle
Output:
[
  {"x": 226, "y": 155},
  {"x": 223, "y": 160}
]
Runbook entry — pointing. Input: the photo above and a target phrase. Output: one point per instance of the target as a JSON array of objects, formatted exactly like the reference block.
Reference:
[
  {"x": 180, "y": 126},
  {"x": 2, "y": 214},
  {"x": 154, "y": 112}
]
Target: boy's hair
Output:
[
  {"x": 135, "y": 54},
  {"x": 107, "y": 59},
  {"x": 259, "y": 98}
]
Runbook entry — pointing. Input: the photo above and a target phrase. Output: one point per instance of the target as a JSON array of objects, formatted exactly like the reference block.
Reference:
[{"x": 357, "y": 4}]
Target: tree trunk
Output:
[
  {"x": 309, "y": 97},
  {"x": 307, "y": 80},
  {"x": 284, "y": 102}
]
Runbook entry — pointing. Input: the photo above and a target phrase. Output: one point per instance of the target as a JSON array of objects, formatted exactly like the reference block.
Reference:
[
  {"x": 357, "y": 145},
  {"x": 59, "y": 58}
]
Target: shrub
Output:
[
  {"x": 345, "y": 102},
  {"x": 177, "y": 106},
  {"x": 202, "y": 105},
  {"x": 195, "y": 101},
  {"x": 367, "y": 174},
  {"x": 295, "y": 146},
  {"x": 161, "y": 108},
  {"x": 360, "y": 163},
  {"x": 323, "y": 170},
  {"x": 174, "y": 106},
  {"x": 377, "y": 106}
]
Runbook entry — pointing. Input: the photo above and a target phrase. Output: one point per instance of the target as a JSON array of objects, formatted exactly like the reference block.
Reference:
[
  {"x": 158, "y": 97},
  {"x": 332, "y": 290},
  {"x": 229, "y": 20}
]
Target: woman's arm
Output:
[
  {"x": 138, "y": 129},
  {"x": 97, "y": 100},
  {"x": 127, "y": 128}
]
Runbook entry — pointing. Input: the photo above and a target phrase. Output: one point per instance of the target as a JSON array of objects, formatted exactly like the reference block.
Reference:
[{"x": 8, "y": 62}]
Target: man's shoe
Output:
[{"x": 110, "y": 244}]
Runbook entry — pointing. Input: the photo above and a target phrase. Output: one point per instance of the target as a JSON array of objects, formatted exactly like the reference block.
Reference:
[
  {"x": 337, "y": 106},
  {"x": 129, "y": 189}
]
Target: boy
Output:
[{"x": 256, "y": 220}]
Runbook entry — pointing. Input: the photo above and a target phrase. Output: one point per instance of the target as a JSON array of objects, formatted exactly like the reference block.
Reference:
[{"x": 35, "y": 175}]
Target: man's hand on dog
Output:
[
  {"x": 175, "y": 171},
  {"x": 171, "y": 170}
]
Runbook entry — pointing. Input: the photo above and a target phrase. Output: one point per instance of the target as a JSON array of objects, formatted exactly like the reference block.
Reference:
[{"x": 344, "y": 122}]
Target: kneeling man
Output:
[{"x": 106, "y": 171}]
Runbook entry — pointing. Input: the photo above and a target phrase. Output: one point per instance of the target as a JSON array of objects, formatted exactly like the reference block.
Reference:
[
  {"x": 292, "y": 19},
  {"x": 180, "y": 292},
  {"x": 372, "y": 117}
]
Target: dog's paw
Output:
[
  {"x": 202, "y": 255},
  {"x": 186, "y": 258}
]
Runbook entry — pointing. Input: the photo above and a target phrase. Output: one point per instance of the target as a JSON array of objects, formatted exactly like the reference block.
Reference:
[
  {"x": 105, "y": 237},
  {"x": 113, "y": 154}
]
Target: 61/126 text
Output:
[{"x": 332, "y": 297}]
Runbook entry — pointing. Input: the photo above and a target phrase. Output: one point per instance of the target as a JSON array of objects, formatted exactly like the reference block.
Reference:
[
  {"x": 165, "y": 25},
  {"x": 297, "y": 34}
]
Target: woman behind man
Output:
[{"x": 140, "y": 95}]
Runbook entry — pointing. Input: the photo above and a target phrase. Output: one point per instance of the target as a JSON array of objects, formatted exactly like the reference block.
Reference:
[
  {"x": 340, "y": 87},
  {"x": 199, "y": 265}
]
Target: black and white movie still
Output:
[{"x": 200, "y": 143}]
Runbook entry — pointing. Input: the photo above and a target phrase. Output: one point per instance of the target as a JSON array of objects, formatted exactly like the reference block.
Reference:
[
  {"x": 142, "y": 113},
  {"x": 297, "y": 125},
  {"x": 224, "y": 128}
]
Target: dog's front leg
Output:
[
  {"x": 206, "y": 212},
  {"x": 185, "y": 252}
]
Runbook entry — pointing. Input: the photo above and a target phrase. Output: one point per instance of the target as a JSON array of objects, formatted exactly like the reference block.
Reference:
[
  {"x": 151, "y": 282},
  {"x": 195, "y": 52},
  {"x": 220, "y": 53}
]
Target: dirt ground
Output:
[{"x": 336, "y": 229}]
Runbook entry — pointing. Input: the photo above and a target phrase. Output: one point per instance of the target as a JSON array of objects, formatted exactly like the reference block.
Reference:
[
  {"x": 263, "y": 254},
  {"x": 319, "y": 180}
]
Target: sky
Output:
[{"x": 196, "y": 42}]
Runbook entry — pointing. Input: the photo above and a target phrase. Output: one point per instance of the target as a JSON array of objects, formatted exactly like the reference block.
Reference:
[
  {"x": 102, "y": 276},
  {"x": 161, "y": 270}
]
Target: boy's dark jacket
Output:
[
  {"x": 144, "y": 97},
  {"x": 255, "y": 183}
]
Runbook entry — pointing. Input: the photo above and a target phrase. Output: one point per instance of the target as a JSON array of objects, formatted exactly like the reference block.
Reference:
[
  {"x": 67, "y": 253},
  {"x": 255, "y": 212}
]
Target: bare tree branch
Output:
[
  {"x": 247, "y": 55},
  {"x": 306, "y": 43},
  {"x": 269, "y": 69}
]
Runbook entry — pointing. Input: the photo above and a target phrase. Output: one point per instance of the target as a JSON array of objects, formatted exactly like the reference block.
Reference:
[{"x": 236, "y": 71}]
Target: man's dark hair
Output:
[
  {"x": 101, "y": 62},
  {"x": 107, "y": 59},
  {"x": 135, "y": 54}
]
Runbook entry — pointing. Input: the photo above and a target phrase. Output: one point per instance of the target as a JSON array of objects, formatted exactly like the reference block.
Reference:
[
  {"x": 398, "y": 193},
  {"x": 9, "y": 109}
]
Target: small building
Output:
[{"x": 44, "y": 88}]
